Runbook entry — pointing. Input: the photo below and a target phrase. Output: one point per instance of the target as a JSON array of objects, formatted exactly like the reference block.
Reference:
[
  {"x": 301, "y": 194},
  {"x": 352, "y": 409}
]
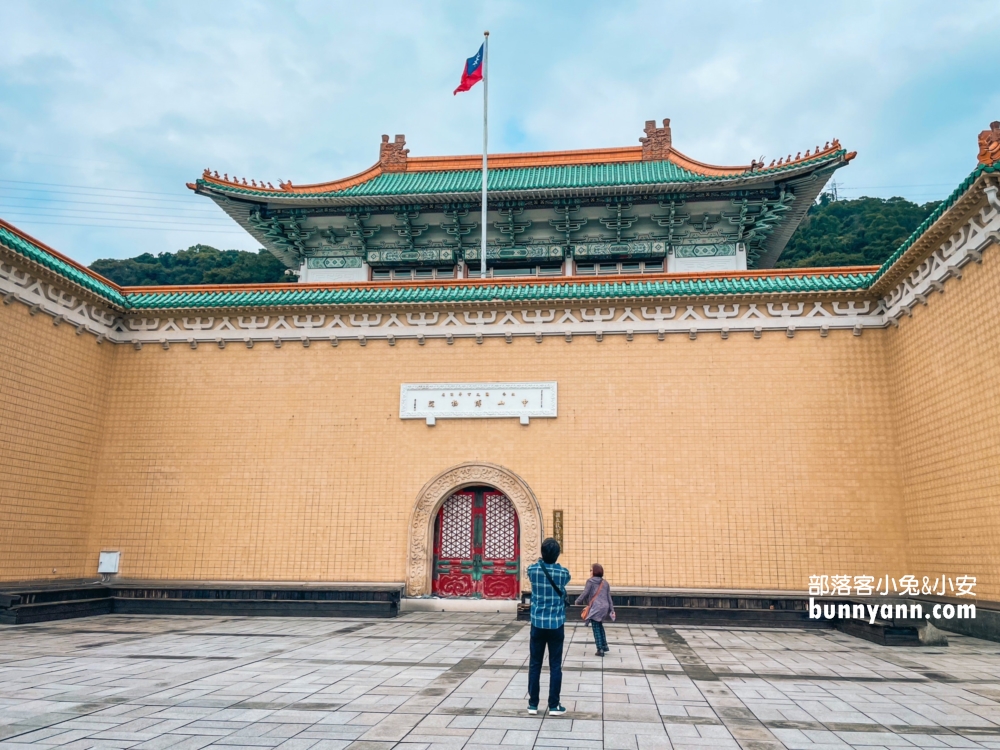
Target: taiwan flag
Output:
[{"x": 472, "y": 73}]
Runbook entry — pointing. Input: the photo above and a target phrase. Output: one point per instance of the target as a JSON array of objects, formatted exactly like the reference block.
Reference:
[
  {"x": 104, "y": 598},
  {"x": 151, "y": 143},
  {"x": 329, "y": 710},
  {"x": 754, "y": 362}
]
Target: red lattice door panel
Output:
[
  {"x": 453, "y": 546},
  {"x": 476, "y": 546},
  {"x": 501, "y": 548}
]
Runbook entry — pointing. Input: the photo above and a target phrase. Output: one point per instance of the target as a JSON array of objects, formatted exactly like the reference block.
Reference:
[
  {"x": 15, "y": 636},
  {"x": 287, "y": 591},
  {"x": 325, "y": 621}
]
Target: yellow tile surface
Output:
[
  {"x": 54, "y": 388},
  {"x": 738, "y": 463},
  {"x": 945, "y": 366},
  {"x": 741, "y": 463}
]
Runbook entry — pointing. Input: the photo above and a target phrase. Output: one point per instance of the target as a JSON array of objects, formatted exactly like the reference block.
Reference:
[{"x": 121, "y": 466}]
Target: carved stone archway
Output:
[{"x": 420, "y": 550}]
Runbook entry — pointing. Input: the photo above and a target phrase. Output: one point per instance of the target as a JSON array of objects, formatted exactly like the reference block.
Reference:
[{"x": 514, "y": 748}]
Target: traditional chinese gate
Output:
[{"x": 477, "y": 546}]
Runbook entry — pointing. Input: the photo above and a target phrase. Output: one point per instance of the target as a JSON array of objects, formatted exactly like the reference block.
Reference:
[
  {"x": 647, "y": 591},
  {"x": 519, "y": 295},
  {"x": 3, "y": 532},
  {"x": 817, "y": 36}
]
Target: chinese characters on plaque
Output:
[{"x": 433, "y": 401}]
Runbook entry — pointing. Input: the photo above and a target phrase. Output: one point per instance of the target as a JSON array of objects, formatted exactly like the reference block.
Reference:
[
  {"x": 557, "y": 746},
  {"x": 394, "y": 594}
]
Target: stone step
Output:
[
  {"x": 42, "y": 603},
  {"x": 881, "y": 632},
  {"x": 692, "y": 615},
  {"x": 21, "y": 614}
]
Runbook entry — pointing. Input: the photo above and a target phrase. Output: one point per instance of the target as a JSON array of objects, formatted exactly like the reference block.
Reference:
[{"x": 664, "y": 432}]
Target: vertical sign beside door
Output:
[{"x": 557, "y": 527}]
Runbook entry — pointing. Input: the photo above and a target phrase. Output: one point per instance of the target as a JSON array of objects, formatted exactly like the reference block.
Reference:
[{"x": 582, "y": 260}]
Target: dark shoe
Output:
[
  {"x": 601, "y": 653},
  {"x": 557, "y": 711},
  {"x": 533, "y": 710}
]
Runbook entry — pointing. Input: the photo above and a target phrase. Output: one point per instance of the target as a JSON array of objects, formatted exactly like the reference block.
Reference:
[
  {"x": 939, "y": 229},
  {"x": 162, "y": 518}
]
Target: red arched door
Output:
[{"x": 477, "y": 546}]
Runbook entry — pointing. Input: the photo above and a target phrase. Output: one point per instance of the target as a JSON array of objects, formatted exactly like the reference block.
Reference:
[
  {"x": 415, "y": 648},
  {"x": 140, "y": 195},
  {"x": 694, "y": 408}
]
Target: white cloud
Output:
[{"x": 143, "y": 96}]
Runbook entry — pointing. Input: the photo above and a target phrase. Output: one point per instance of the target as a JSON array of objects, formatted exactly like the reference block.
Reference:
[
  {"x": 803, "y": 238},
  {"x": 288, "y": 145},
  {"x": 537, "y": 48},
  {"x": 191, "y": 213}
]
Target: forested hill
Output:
[
  {"x": 199, "y": 264},
  {"x": 860, "y": 232},
  {"x": 857, "y": 232}
]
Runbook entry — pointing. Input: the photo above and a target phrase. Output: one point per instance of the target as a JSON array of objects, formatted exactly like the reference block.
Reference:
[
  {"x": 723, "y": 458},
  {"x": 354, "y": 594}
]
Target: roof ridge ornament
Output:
[
  {"x": 989, "y": 145},
  {"x": 658, "y": 143},
  {"x": 392, "y": 156},
  {"x": 240, "y": 182},
  {"x": 785, "y": 161}
]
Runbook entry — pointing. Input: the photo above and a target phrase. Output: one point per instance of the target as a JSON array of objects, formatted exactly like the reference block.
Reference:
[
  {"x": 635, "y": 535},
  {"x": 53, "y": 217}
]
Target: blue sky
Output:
[{"x": 108, "y": 108}]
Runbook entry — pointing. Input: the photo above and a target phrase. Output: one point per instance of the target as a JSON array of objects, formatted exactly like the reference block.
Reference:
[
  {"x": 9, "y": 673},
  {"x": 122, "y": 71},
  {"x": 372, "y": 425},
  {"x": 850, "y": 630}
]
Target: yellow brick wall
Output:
[
  {"x": 53, "y": 396},
  {"x": 945, "y": 367},
  {"x": 741, "y": 463}
]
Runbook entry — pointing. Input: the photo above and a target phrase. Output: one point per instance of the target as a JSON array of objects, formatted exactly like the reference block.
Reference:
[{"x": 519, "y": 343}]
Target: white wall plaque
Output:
[{"x": 433, "y": 401}]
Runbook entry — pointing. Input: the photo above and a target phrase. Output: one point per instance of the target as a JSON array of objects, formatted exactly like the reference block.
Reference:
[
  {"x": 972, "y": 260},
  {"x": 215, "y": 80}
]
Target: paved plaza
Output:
[{"x": 458, "y": 680}]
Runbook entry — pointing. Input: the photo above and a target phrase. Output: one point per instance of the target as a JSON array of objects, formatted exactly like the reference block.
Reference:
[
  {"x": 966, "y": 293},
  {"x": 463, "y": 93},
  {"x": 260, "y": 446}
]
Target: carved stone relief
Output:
[{"x": 435, "y": 492}]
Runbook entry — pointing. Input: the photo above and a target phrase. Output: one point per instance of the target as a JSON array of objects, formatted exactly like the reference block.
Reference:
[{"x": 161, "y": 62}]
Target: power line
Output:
[
  {"x": 118, "y": 202},
  {"x": 11, "y": 192},
  {"x": 72, "y": 212},
  {"x": 87, "y": 187},
  {"x": 78, "y": 222},
  {"x": 929, "y": 184},
  {"x": 166, "y": 220},
  {"x": 897, "y": 193},
  {"x": 24, "y": 156},
  {"x": 80, "y": 213},
  {"x": 97, "y": 192},
  {"x": 110, "y": 226}
]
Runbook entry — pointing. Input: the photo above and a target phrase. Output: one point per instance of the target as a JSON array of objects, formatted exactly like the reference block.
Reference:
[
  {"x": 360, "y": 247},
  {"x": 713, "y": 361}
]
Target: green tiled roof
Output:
[
  {"x": 536, "y": 178},
  {"x": 935, "y": 215},
  {"x": 368, "y": 295},
  {"x": 71, "y": 272},
  {"x": 530, "y": 178}
]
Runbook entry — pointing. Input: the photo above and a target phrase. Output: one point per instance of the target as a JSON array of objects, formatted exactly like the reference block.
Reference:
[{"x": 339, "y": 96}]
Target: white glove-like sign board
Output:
[{"x": 433, "y": 401}]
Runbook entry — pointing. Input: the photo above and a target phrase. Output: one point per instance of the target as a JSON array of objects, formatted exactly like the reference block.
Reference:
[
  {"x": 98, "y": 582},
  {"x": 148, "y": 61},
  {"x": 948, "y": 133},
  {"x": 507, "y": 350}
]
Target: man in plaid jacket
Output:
[{"x": 548, "y": 616}]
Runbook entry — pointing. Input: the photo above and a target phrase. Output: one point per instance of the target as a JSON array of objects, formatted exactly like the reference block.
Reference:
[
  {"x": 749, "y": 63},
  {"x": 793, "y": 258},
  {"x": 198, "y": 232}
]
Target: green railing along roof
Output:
[
  {"x": 935, "y": 215},
  {"x": 368, "y": 294},
  {"x": 618, "y": 174},
  {"x": 364, "y": 294},
  {"x": 67, "y": 270}
]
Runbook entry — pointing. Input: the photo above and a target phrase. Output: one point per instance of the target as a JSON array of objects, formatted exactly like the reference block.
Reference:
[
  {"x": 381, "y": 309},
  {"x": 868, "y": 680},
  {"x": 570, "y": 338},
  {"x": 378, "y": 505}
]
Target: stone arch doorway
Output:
[{"x": 420, "y": 556}]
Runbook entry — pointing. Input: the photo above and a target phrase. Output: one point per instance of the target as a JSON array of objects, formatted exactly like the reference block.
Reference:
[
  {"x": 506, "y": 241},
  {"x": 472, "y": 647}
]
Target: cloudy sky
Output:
[{"x": 108, "y": 108}]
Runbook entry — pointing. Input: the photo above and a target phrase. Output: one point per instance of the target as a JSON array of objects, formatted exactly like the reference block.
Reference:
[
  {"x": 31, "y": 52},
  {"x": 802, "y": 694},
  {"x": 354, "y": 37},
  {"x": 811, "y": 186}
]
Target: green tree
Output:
[
  {"x": 859, "y": 232},
  {"x": 199, "y": 264}
]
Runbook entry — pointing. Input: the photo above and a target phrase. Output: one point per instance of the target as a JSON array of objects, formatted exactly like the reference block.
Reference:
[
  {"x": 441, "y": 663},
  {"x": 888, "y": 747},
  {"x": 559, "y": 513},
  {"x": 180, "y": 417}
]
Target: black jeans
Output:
[{"x": 540, "y": 638}]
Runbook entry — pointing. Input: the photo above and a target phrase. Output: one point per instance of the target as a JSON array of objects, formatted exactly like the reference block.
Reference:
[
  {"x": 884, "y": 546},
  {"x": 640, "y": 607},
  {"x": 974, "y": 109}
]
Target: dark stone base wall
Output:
[{"x": 27, "y": 604}]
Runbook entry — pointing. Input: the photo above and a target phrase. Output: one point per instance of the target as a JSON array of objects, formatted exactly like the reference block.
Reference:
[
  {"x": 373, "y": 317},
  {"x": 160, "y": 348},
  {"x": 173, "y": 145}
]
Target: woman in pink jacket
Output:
[{"x": 597, "y": 594}]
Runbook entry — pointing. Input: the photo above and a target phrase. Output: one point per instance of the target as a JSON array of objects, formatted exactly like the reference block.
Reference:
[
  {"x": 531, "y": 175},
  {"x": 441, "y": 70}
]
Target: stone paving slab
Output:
[{"x": 458, "y": 681}]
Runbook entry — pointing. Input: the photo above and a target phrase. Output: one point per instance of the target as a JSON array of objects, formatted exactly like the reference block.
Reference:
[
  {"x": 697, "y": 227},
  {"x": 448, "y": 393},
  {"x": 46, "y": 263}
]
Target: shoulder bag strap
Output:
[
  {"x": 596, "y": 593},
  {"x": 562, "y": 594}
]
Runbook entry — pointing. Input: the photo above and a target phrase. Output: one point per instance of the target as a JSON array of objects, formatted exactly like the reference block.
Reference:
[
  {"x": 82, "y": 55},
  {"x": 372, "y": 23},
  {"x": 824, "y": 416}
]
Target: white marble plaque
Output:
[{"x": 433, "y": 401}]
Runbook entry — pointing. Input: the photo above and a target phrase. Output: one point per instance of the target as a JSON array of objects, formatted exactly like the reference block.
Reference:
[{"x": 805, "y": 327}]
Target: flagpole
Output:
[{"x": 486, "y": 57}]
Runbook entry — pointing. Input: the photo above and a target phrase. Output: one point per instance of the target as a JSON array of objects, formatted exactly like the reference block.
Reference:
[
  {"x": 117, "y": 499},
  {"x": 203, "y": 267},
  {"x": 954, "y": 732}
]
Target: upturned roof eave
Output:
[
  {"x": 805, "y": 195},
  {"x": 763, "y": 178}
]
